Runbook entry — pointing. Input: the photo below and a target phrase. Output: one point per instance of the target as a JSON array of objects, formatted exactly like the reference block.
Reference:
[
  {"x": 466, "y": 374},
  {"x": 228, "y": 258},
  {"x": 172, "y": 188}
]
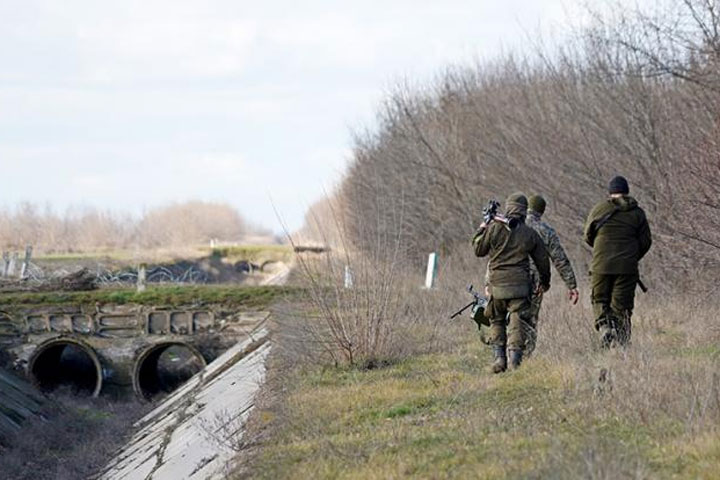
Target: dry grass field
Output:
[{"x": 572, "y": 411}]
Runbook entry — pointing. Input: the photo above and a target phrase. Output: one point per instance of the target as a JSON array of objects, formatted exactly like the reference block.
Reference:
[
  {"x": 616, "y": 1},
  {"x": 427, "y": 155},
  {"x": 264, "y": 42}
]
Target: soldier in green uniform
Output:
[
  {"x": 510, "y": 247},
  {"x": 536, "y": 209},
  {"x": 619, "y": 234}
]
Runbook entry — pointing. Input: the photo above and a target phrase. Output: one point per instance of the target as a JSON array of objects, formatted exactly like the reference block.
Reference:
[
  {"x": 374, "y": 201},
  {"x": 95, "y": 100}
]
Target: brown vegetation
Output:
[
  {"x": 178, "y": 225},
  {"x": 572, "y": 411},
  {"x": 635, "y": 95},
  {"x": 74, "y": 439}
]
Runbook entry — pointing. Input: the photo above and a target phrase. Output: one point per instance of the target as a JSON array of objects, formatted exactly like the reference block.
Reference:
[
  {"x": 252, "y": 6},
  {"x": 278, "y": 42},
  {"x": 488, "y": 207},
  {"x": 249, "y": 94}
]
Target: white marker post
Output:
[
  {"x": 431, "y": 271},
  {"x": 13, "y": 263},
  {"x": 142, "y": 278},
  {"x": 348, "y": 277},
  {"x": 26, "y": 262}
]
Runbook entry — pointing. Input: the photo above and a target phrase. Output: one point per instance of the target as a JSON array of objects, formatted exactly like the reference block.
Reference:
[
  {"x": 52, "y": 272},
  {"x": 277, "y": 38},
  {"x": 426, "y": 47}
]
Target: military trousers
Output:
[
  {"x": 507, "y": 317},
  {"x": 613, "y": 300},
  {"x": 530, "y": 326}
]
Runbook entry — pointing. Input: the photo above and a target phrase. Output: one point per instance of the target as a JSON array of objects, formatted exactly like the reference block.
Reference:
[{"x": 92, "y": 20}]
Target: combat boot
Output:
[
  {"x": 500, "y": 363},
  {"x": 607, "y": 336},
  {"x": 516, "y": 356}
]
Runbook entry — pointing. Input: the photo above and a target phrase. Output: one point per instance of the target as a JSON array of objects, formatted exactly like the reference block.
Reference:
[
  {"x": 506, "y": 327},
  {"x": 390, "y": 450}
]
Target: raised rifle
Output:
[
  {"x": 490, "y": 213},
  {"x": 478, "y": 300}
]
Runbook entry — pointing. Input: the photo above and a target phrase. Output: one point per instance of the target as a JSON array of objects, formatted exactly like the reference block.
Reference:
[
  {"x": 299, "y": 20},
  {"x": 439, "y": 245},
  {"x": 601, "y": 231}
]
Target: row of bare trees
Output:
[
  {"x": 636, "y": 94},
  {"x": 178, "y": 225}
]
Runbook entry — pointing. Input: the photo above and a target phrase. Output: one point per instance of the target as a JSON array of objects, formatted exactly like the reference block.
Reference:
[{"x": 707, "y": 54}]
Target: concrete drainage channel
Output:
[
  {"x": 195, "y": 433},
  {"x": 118, "y": 350},
  {"x": 151, "y": 352}
]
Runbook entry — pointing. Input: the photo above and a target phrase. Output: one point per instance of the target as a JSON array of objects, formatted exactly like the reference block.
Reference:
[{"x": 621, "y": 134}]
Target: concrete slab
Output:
[
  {"x": 19, "y": 401},
  {"x": 195, "y": 433}
]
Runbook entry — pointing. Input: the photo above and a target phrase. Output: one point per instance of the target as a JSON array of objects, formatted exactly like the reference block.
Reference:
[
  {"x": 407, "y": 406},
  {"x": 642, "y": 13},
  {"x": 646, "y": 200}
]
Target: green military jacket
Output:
[
  {"x": 510, "y": 252},
  {"x": 554, "y": 249},
  {"x": 622, "y": 240}
]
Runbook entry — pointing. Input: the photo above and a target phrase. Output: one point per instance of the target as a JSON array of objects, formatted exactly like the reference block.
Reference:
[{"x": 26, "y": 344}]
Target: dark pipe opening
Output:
[
  {"x": 67, "y": 364},
  {"x": 166, "y": 367}
]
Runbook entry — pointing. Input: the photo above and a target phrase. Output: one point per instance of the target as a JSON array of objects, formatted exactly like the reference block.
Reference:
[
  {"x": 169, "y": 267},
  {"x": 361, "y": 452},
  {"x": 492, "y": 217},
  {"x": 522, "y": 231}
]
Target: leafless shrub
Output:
[
  {"x": 364, "y": 308},
  {"x": 636, "y": 95}
]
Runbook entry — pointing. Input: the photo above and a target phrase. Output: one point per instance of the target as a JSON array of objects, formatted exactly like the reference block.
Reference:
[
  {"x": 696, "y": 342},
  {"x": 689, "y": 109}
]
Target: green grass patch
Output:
[{"x": 250, "y": 297}]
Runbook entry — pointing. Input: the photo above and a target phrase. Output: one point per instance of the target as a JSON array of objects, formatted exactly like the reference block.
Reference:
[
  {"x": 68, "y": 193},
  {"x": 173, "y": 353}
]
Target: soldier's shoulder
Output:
[
  {"x": 495, "y": 229},
  {"x": 601, "y": 208},
  {"x": 531, "y": 232},
  {"x": 546, "y": 228},
  {"x": 602, "y": 205},
  {"x": 642, "y": 216}
]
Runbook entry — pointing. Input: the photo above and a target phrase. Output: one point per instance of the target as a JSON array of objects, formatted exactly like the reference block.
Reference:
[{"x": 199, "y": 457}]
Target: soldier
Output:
[
  {"x": 510, "y": 247},
  {"x": 536, "y": 209},
  {"x": 619, "y": 234}
]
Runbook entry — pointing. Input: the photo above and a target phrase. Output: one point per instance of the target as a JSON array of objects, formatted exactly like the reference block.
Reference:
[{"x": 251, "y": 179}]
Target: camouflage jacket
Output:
[{"x": 554, "y": 249}]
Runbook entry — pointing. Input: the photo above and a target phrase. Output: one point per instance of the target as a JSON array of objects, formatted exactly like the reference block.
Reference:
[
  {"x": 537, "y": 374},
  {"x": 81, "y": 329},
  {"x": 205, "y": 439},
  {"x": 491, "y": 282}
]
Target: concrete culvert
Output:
[
  {"x": 66, "y": 362},
  {"x": 164, "y": 367}
]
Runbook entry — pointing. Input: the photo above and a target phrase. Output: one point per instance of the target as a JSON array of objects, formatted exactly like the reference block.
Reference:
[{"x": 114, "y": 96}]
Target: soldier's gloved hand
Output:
[{"x": 574, "y": 296}]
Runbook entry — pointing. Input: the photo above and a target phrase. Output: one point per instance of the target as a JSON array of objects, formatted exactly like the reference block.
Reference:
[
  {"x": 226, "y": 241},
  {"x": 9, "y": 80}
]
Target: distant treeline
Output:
[
  {"x": 183, "y": 224},
  {"x": 637, "y": 94}
]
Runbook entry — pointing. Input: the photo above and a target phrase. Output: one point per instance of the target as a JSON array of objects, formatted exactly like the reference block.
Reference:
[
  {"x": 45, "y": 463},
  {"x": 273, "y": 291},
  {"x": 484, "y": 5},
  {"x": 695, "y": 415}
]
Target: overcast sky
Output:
[{"x": 132, "y": 104}]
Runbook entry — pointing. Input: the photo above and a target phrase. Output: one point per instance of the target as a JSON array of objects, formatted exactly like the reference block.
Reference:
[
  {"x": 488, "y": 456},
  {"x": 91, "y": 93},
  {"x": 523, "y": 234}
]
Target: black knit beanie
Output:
[{"x": 619, "y": 185}]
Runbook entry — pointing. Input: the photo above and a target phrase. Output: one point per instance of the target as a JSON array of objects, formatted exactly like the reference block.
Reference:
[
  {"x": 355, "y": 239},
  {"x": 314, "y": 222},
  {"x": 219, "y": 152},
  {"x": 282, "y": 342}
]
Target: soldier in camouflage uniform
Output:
[
  {"x": 510, "y": 247},
  {"x": 619, "y": 234},
  {"x": 536, "y": 209}
]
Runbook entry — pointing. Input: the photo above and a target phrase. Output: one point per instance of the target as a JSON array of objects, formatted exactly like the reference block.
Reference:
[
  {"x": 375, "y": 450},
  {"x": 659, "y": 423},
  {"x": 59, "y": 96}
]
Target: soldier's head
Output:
[
  {"x": 618, "y": 187},
  {"x": 516, "y": 205},
  {"x": 536, "y": 204}
]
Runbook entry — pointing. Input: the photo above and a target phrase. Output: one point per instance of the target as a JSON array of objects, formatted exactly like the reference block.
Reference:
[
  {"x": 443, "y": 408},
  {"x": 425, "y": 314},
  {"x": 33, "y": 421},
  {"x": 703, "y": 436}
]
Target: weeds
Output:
[{"x": 74, "y": 439}]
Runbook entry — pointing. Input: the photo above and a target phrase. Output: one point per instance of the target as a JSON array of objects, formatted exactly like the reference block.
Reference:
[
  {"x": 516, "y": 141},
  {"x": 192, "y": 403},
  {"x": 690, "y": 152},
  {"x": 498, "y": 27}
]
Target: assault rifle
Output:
[
  {"x": 490, "y": 213},
  {"x": 478, "y": 301}
]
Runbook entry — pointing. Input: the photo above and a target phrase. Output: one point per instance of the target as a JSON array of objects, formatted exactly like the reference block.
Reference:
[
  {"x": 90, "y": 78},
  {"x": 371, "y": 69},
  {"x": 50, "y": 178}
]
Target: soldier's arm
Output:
[
  {"x": 644, "y": 236},
  {"x": 542, "y": 262},
  {"x": 481, "y": 241},
  {"x": 560, "y": 260},
  {"x": 588, "y": 229}
]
